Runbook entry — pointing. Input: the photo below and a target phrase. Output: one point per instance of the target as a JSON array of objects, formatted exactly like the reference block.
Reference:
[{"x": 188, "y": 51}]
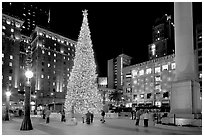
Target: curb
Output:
[{"x": 180, "y": 128}]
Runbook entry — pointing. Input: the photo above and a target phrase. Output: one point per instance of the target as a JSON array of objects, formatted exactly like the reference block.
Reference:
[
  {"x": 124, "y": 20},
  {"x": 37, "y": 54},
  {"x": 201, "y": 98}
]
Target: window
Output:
[
  {"x": 43, "y": 52},
  {"x": 48, "y": 65},
  {"x": 53, "y": 83},
  {"x": 141, "y": 72},
  {"x": 54, "y": 72},
  {"x": 3, "y": 27},
  {"x": 148, "y": 71},
  {"x": 153, "y": 49},
  {"x": 11, "y": 57},
  {"x": 48, "y": 77},
  {"x": 173, "y": 65},
  {"x": 165, "y": 67},
  {"x": 157, "y": 70},
  {"x": 10, "y": 78},
  {"x": 12, "y": 30},
  {"x": 142, "y": 96},
  {"x": 42, "y": 70},
  {"x": 42, "y": 76},
  {"x": 43, "y": 63},
  {"x": 67, "y": 69},
  {"x": 54, "y": 66},
  {"x": 48, "y": 53},
  {"x": 157, "y": 78},
  {"x": 54, "y": 54},
  {"x": 135, "y": 82},
  {"x": 68, "y": 58},
  {"x": 149, "y": 95},
  {"x": 166, "y": 95},
  {"x": 10, "y": 64},
  {"x": 2, "y": 55},
  {"x": 8, "y": 22},
  {"x": 200, "y": 75},
  {"x": 54, "y": 60}
]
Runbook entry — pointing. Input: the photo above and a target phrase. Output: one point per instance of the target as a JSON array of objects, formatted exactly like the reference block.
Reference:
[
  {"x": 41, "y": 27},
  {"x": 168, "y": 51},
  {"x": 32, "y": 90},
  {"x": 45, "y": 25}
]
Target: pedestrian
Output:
[
  {"x": 63, "y": 116},
  {"x": 43, "y": 113},
  {"x": 137, "y": 117},
  {"x": 88, "y": 117},
  {"x": 83, "y": 118},
  {"x": 47, "y": 115},
  {"x": 146, "y": 118},
  {"x": 103, "y": 115},
  {"x": 92, "y": 116}
]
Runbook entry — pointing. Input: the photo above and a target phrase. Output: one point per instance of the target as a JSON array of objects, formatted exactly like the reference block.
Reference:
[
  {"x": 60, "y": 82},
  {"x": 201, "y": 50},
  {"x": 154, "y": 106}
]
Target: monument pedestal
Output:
[
  {"x": 185, "y": 104},
  {"x": 185, "y": 98}
]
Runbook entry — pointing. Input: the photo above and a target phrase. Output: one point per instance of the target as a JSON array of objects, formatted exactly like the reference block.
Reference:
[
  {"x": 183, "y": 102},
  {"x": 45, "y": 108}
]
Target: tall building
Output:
[
  {"x": 52, "y": 61},
  {"x": 11, "y": 54},
  {"x": 115, "y": 71},
  {"x": 162, "y": 37},
  {"x": 32, "y": 13}
]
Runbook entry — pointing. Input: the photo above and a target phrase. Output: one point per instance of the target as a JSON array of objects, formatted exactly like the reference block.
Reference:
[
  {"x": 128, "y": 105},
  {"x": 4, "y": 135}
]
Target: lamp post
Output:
[
  {"x": 8, "y": 94},
  {"x": 26, "y": 123}
]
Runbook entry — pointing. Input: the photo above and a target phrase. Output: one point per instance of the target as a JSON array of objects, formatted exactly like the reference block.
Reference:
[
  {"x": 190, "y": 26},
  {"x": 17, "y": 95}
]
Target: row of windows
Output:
[
  {"x": 54, "y": 38},
  {"x": 11, "y": 22},
  {"x": 150, "y": 95},
  {"x": 150, "y": 70},
  {"x": 43, "y": 52}
]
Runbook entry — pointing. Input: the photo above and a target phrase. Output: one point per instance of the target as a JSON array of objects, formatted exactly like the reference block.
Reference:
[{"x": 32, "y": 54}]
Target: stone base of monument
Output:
[
  {"x": 71, "y": 121},
  {"x": 183, "y": 120}
]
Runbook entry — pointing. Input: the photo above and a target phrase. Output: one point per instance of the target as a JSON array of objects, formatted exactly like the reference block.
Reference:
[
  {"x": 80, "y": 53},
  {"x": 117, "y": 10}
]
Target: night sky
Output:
[{"x": 117, "y": 27}]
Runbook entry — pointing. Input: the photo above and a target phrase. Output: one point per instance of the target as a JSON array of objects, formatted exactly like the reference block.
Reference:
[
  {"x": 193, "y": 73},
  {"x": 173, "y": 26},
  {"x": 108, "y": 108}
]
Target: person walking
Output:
[
  {"x": 146, "y": 118},
  {"x": 103, "y": 115},
  {"x": 88, "y": 117},
  {"x": 137, "y": 117},
  {"x": 63, "y": 116},
  {"x": 92, "y": 116},
  {"x": 47, "y": 115}
]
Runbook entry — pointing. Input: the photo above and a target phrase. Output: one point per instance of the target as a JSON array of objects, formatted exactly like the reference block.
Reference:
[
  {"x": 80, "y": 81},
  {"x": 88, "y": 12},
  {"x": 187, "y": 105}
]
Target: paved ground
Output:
[{"x": 111, "y": 127}]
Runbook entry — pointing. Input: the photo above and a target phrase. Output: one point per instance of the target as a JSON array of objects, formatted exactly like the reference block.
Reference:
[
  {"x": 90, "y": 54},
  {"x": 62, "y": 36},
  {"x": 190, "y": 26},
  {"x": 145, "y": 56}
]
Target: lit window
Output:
[
  {"x": 12, "y": 30},
  {"x": 11, "y": 57},
  {"x": 134, "y": 73},
  {"x": 62, "y": 51},
  {"x": 54, "y": 72},
  {"x": 58, "y": 40},
  {"x": 135, "y": 82},
  {"x": 43, "y": 52},
  {"x": 54, "y": 60},
  {"x": 67, "y": 58},
  {"x": 153, "y": 49},
  {"x": 3, "y": 33},
  {"x": 17, "y": 25},
  {"x": 54, "y": 66},
  {"x": 10, "y": 78},
  {"x": 200, "y": 75},
  {"x": 64, "y": 57},
  {"x": 41, "y": 33},
  {"x": 53, "y": 83},
  {"x": 62, "y": 41},
  {"x": 8, "y": 22},
  {"x": 46, "y": 36},
  {"x": 157, "y": 70},
  {"x": 165, "y": 67},
  {"x": 148, "y": 71},
  {"x": 48, "y": 65},
  {"x": 141, "y": 72},
  {"x": 10, "y": 64},
  {"x": 48, "y": 77},
  {"x": 158, "y": 87},
  {"x": 173, "y": 65},
  {"x": 67, "y": 69},
  {"x": 141, "y": 96},
  {"x": 54, "y": 54},
  {"x": 2, "y": 55},
  {"x": 67, "y": 75},
  {"x": 158, "y": 78},
  {"x": 3, "y": 27},
  {"x": 55, "y": 44},
  {"x": 53, "y": 38},
  {"x": 42, "y": 76},
  {"x": 48, "y": 53},
  {"x": 68, "y": 48}
]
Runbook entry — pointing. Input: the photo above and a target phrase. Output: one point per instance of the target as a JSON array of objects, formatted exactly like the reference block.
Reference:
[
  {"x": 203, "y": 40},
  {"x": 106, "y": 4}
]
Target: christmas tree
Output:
[{"x": 82, "y": 92}]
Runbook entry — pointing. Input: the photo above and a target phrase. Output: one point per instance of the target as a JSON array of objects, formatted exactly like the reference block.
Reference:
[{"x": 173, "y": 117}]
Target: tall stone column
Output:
[{"x": 185, "y": 94}]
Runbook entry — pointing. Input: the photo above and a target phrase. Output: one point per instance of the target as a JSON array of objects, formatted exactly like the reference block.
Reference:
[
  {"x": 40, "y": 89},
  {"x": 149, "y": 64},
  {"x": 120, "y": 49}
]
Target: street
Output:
[{"x": 111, "y": 127}]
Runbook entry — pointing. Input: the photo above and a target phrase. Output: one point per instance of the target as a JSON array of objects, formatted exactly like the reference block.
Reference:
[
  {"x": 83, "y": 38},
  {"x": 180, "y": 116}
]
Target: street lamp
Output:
[
  {"x": 26, "y": 123},
  {"x": 8, "y": 94}
]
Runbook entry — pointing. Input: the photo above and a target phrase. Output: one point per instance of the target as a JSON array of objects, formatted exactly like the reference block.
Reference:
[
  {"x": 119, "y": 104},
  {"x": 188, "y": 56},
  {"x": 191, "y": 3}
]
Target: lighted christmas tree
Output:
[{"x": 82, "y": 92}]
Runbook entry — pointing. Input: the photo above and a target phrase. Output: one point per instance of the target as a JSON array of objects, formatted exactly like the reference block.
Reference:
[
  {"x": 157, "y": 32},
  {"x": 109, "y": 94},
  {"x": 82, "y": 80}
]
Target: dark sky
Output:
[{"x": 115, "y": 27}]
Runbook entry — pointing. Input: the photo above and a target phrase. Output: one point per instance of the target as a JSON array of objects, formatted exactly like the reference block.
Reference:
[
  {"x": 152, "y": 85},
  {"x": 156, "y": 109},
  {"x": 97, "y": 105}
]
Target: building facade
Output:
[
  {"x": 52, "y": 61},
  {"x": 149, "y": 83},
  {"x": 162, "y": 37},
  {"x": 32, "y": 13},
  {"x": 115, "y": 71}
]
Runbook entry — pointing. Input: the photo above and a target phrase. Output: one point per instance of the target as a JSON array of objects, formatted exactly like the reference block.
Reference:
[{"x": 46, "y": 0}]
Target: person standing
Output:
[
  {"x": 92, "y": 116},
  {"x": 137, "y": 117},
  {"x": 88, "y": 117},
  {"x": 63, "y": 116},
  {"x": 146, "y": 118},
  {"x": 103, "y": 115},
  {"x": 47, "y": 115}
]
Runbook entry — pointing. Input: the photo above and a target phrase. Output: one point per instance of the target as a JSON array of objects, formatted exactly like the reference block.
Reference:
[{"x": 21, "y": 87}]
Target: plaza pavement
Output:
[{"x": 123, "y": 126}]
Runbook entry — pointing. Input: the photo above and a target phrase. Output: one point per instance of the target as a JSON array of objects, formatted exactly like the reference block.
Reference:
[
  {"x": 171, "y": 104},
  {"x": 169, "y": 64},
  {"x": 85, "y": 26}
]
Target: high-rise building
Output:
[
  {"x": 115, "y": 71},
  {"x": 163, "y": 38},
  {"x": 52, "y": 61},
  {"x": 32, "y": 13}
]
